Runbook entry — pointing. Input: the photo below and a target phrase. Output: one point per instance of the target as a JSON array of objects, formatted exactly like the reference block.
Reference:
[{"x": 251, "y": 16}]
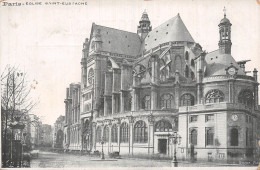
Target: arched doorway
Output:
[{"x": 59, "y": 139}]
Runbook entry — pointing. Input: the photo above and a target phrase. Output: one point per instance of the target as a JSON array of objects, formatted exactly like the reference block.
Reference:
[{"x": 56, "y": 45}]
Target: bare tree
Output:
[{"x": 15, "y": 90}]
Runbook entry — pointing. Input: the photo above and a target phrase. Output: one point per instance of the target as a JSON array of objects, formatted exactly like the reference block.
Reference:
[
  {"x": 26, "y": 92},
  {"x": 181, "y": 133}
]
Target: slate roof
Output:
[
  {"x": 119, "y": 41},
  {"x": 216, "y": 64},
  {"x": 172, "y": 30}
]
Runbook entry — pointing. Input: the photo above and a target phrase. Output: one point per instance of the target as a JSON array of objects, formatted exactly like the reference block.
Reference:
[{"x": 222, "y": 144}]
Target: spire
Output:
[
  {"x": 224, "y": 10},
  {"x": 225, "y": 35},
  {"x": 144, "y": 25}
]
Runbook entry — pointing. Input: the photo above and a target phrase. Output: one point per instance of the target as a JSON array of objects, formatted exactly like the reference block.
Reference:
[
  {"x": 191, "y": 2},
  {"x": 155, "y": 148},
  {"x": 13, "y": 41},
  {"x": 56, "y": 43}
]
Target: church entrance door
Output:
[{"x": 162, "y": 145}]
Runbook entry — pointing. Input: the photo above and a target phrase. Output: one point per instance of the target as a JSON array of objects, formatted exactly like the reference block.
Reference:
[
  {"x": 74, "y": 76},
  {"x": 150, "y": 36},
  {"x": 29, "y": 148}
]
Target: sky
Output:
[{"x": 46, "y": 40}]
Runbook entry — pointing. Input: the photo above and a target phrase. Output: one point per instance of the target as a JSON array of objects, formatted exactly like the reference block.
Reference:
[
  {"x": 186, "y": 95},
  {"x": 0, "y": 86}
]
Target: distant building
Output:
[
  {"x": 139, "y": 88},
  {"x": 72, "y": 128},
  {"x": 35, "y": 130},
  {"x": 58, "y": 132},
  {"x": 46, "y": 133}
]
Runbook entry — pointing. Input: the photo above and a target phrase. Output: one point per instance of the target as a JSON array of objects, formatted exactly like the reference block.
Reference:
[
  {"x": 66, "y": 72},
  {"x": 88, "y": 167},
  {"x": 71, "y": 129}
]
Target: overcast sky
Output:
[{"x": 46, "y": 41}]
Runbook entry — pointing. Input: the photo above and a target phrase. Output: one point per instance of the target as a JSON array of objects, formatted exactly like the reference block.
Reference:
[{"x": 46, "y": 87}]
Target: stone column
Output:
[
  {"x": 113, "y": 103},
  {"x": 131, "y": 133},
  {"x": 154, "y": 96},
  {"x": 106, "y": 105},
  {"x": 118, "y": 134},
  {"x": 94, "y": 125},
  {"x": 231, "y": 91},
  {"x": 108, "y": 91},
  {"x": 135, "y": 100},
  {"x": 109, "y": 136},
  {"x": 155, "y": 69},
  {"x": 151, "y": 134},
  {"x": 199, "y": 87},
  {"x": 122, "y": 102},
  {"x": 256, "y": 88},
  {"x": 177, "y": 89}
]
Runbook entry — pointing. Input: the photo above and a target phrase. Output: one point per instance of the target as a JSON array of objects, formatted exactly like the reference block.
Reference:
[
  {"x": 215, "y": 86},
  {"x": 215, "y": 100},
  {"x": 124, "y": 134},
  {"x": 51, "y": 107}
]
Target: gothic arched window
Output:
[
  {"x": 114, "y": 133},
  {"x": 192, "y": 75},
  {"x": 186, "y": 55},
  {"x": 140, "y": 132},
  {"x": 146, "y": 102},
  {"x": 163, "y": 126},
  {"x": 127, "y": 101},
  {"x": 192, "y": 63},
  {"x": 214, "y": 96},
  {"x": 90, "y": 76},
  {"x": 246, "y": 97},
  {"x": 187, "y": 100},
  {"x": 187, "y": 71},
  {"x": 193, "y": 136},
  {"x": 109, "y": 64},
  {"x": 124, "y": 133},
  {"x": 178, "y": 64},
  {"x": 234, "y": 137},
  {"x": 167, "y": 101},
  {"x": 106, "y": 134},
  {"x": 99, "y": 136},
  {"x": 140, "y": 70},
  {"x": 164, "y": 69}
]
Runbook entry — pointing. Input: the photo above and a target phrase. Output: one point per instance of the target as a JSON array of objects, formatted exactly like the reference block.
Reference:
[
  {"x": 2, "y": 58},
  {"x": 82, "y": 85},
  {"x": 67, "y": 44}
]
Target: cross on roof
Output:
[{"x": 224, "y": 11}]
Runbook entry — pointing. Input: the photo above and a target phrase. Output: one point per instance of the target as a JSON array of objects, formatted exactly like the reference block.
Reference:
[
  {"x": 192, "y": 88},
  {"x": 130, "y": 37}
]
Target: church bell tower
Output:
[
  {"x": 225, "y": 35},
  {"x": 144, "y": 26}
]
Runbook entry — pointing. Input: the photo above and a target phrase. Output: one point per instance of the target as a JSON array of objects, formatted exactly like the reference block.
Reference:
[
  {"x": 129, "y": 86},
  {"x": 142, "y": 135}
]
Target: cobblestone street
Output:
[{"x": 58, "y": 160}]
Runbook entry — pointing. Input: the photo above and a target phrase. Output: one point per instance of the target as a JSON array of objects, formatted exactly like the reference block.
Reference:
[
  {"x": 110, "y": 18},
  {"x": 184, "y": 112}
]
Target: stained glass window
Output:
[
  {"x": 146, "y": 102},
  {"x": 90, "y": 76},
  {"x": 106, "y": 134},
  {"x": 114, "y": 133},
  {"x": 163, "y": 126},
  {"x": 246, "y": 97},
  {"x": 124, "y": 133},
  {"x": 98, "y": 134},
  {"x": 140, "y": 132},
  {"x": 187, "y": 100},
  {"x": 214, "y": 96},
  {"x": 167, "y": 101}
]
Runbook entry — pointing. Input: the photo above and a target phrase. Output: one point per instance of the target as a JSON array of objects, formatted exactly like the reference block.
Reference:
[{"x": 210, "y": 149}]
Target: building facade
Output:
[
  {"x": 72, "y": 128},
  {"x": 58, "y": 132},
  {"x": 34, "y": 126},
  {"x": 46, "y": 133},
  {"x": 139, "y": 88}
]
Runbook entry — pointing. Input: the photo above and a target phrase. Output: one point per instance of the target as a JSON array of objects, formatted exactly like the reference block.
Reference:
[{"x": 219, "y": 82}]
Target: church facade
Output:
[
  {"x": 137, "y": 89},
  {"x": 72, "y": 125}
]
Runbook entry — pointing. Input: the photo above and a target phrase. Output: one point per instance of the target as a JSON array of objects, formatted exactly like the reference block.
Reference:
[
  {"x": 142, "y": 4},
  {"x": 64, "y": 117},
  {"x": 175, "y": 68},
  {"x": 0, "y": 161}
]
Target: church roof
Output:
[
  {"x": 216, "y": 64},
  {"x": 118, "y": 41},
  {"x": 172, "y": 30}
]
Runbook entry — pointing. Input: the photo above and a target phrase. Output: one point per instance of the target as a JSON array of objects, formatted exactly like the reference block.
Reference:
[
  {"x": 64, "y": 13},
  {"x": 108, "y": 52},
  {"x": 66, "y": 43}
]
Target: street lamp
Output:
[
  {"x": 17, "y": 126},
  {"x": 175, "y": 139},
  {"x": 102, "y": 151}
]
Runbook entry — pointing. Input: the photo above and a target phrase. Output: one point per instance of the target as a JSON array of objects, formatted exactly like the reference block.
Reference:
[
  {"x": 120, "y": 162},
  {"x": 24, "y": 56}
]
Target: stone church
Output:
[{"x": 137, "y": 89}]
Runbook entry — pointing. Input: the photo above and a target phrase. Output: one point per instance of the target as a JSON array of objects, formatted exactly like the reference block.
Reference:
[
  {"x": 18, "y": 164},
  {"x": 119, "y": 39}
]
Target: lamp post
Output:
[
  {"x": 17, "y": 126},
  {"x": 102, "y": 151},
  {"x": 175, "y": 139}
]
